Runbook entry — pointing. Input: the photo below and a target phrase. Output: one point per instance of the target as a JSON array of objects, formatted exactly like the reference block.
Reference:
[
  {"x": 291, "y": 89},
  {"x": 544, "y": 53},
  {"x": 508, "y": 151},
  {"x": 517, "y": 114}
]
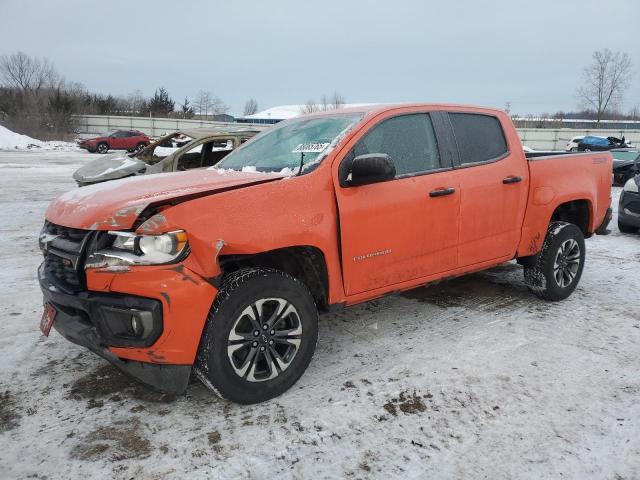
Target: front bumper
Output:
[
  {"x": 629, "y": 209},
  {"x": 174, "y": 298}
]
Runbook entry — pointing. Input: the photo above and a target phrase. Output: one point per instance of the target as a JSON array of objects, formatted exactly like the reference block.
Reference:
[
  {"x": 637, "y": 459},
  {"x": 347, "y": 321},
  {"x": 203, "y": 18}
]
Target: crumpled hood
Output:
[
  {"x": 116, "y": 205},
  {"x": 108, "y": 168}
]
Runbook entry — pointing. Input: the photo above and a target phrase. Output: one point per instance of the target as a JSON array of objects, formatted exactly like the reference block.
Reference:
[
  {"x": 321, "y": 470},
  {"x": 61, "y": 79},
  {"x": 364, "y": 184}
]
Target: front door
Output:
[{"x": 405, "y": 228}]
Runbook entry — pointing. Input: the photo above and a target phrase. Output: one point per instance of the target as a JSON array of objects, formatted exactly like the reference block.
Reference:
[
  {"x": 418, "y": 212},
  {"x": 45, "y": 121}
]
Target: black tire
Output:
[
  {"x": 91, "y": 150},
  {"x": 556, "y": 281},
  {"x": 227, "y": 373},
  {"x": 624, "y": 228},
  {"x": 573, "y": 149},
  {"x": 102, "y": 147}
]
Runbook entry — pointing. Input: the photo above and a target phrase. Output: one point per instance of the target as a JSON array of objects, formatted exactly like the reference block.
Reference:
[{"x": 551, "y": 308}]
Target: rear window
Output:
[{"x": 479, "y": 137}]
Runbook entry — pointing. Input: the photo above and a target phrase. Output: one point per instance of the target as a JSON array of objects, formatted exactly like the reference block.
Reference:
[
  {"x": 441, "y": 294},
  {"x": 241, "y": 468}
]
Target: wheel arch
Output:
[
  {"x": 577, "y": 211},
  {"x": 306, "y": 263}
]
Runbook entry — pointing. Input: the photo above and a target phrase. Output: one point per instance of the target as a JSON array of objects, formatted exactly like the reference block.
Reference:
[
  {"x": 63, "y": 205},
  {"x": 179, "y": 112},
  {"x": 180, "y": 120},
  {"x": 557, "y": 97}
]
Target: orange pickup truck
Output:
[{"x": 223, "y": 271}]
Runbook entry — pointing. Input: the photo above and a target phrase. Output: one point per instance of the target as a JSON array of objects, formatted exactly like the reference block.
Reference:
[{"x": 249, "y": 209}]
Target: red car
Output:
[{"x": 130, "y": 140}]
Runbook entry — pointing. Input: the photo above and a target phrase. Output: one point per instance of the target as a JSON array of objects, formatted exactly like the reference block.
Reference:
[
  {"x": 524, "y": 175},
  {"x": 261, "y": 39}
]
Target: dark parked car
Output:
[
  {"x": 599, "y": 144},
  {"x": 629, "y": 206},
  {"x": 130, "y": 140},
  {"x": 626, "y": 165}
]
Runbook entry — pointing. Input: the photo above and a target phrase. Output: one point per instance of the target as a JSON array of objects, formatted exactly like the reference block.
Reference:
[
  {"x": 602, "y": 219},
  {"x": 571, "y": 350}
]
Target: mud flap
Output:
[{"x": 602, "y": 229}]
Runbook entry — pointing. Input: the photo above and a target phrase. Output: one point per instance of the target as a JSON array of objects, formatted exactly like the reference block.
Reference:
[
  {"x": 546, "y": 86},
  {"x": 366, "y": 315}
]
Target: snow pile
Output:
[{"x": 11, "y": 140}]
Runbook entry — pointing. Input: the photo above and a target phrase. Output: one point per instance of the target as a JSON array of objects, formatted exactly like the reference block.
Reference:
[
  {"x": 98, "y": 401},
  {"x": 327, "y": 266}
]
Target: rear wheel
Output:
[
  {"x": 624, "y": 228},
  {"x": 260, "y": 336},
  {"x": 557, "y": 270},
  {"x": 103, "y": 148}
]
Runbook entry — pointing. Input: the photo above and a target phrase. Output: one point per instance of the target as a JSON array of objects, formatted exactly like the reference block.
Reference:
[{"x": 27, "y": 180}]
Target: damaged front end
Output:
[{"x": 124, "y": 297}]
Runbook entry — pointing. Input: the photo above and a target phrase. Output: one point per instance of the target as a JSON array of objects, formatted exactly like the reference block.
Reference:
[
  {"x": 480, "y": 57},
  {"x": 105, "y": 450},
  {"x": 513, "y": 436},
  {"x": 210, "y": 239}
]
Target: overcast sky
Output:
[{"x": 529, "y": 53}]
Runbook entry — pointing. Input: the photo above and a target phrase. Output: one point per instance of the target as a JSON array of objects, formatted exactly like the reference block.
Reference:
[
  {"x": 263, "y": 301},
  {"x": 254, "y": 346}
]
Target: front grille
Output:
[{"x": 63, "y": 249}]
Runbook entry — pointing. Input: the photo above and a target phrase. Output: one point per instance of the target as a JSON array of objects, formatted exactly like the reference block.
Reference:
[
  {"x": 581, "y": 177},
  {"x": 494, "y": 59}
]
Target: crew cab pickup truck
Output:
[{"x": 223, "y": 271}]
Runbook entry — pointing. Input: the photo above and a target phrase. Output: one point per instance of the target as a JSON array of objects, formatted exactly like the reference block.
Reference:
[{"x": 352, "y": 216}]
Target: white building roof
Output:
[{"x": 284, "y": 112}]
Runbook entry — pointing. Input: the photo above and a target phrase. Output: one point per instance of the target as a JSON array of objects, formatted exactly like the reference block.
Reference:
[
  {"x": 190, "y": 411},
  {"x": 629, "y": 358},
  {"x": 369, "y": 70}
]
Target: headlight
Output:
[
  {"x": 128, "y": 248},
  {"x": 631, "y": 186}
]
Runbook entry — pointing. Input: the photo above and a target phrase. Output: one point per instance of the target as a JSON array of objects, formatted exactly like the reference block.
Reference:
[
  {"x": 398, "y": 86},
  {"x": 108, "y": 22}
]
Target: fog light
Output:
[{"x": 123, "y": 326}]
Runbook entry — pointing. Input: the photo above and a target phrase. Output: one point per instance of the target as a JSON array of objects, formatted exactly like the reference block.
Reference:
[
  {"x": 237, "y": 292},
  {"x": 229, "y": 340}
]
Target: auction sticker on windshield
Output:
[{"x": 310, "y": 148}]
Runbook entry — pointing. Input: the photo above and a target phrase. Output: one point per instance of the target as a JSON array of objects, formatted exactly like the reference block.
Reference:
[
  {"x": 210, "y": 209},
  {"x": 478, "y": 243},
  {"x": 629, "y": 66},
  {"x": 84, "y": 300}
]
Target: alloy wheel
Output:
[
  {"x": 566, "y": 263},
  {"x": 264, "y": 339}
]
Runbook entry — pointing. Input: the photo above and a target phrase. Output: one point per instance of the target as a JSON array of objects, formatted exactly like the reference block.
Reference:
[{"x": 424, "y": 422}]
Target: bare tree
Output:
[
  {"x": 337, "y": 100},
  {"x": 605, "y": 81},
  {"x": 250, "y": 107},
  {"x": 205, "y": 104},
  {"x": 202, "y": 103},
  {"x": 135, "y": 102},
  {"x": 310, "y": 107},
  {"x": 25, "y": 73}
]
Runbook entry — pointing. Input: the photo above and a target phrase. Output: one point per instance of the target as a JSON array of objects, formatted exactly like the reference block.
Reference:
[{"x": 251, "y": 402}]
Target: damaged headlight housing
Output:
[{"x": 128, "y": 248}]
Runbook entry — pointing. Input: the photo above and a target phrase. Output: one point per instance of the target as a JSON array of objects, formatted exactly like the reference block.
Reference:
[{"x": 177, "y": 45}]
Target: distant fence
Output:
[
  {"x": 536, "y": 138},
  {"x": 557, "y": 138},
  {"x": 151, "y": 126}
]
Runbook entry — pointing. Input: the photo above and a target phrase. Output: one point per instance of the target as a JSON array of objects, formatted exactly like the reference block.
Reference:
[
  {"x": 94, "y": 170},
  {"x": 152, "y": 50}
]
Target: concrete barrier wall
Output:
[
  {"x": 557, "y": 138},
  {"x": 154, "y": 127},
  {"x": 536, "y": 138}
]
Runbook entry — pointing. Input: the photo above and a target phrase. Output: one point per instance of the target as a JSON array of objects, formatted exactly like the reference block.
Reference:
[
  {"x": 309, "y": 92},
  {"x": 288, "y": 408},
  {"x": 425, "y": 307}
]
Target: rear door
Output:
[
  {"x": 494, "y": 188},
  {"x": 402, "y": 229}
]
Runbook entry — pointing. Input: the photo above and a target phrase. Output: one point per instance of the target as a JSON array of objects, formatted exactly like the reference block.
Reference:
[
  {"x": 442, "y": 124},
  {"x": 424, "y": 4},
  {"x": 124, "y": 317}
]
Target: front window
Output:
[{"x": 283, "y": 147}]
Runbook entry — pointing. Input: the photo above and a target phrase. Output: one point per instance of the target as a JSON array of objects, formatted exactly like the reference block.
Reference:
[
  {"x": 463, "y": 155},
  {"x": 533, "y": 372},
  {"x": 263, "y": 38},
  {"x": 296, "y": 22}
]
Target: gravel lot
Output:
[{"x": 472, "y": 378}]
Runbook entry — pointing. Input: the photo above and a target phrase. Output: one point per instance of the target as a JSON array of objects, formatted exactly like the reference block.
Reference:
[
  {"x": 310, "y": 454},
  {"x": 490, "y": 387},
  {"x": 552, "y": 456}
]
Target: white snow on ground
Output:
[
  {"x": 11, "y": 141},
  {"x": 472, "y": 378}
]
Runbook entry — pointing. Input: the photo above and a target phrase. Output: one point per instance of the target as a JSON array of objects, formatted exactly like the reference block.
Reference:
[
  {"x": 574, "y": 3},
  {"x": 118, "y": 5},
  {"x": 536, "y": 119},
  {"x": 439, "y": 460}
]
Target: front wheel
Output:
[
  {"x": 557, "y": 270},
  {"x": 103, "y": 148},
  {"x": 260, "y": 336}
]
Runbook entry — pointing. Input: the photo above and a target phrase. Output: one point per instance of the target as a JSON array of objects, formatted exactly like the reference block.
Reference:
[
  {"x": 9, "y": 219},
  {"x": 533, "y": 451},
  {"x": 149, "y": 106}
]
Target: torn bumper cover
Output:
[{"x": 99, "y": 321}]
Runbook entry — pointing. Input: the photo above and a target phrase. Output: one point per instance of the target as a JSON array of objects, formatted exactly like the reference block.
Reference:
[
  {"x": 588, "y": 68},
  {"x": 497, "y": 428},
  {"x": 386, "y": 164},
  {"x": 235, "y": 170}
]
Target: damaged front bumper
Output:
[{"x": 145, "y": 321}]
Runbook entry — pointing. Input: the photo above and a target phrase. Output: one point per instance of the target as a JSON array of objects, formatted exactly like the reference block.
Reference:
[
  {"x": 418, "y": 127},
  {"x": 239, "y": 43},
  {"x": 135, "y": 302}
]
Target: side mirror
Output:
[{"x": 371, "y": 168}]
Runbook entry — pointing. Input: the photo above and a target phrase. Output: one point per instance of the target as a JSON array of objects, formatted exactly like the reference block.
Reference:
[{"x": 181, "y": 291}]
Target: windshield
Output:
[{"x": 282, "y": 147}]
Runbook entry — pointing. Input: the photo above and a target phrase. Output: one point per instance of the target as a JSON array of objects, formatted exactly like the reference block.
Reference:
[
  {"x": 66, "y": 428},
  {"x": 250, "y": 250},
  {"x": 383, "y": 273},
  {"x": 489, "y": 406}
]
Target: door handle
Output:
[
  {"x": 509, "y": 180},
  {"x": 441, "y": 192}
]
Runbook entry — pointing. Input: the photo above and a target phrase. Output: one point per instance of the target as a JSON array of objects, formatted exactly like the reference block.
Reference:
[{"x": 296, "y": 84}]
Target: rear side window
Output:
[
  {"x": 408, "y": 139},
  {"x": 479, "y": 137}
]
